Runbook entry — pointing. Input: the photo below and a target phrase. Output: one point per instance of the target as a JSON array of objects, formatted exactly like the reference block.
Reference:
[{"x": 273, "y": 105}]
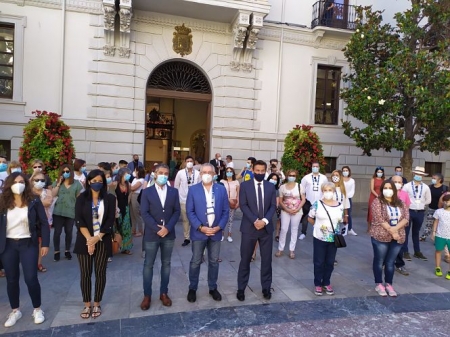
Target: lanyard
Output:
[
  {"x": 188, "y": 179},
  {"x": 337, "y": 197},
  {"x": 414, "y": 190},
  {"x": 315, "y": 180},
  {"x": 392, "y": 213}
]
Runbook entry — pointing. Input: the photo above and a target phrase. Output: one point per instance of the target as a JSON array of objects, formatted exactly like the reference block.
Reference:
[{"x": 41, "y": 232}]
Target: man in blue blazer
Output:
[
  {"x": 160, "y": 210},
  {"x": 257, "y": 200},
  {"x": 207, "y": 209}
]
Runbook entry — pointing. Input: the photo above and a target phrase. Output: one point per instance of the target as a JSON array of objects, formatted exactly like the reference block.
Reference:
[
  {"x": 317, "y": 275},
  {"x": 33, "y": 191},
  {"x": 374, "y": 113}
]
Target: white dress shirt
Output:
[
  {"x": 181, "y": 182},
  {"x": 312, "y": 184},
  {"x": 209, "y": 205},
  {"x": 17, "y": 223},
  {"x": 257, "y": 200},
  {"x": 420, "y": 198},
  {"x": 350, "y": 188},
  {"x": 162, "y": 193}
]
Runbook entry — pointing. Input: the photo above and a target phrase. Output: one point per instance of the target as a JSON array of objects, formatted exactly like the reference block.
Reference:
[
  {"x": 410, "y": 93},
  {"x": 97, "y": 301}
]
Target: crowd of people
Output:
[{"x": 116, "y": 202}]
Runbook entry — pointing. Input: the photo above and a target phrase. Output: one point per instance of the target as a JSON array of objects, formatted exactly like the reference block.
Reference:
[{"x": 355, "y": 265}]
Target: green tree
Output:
[
  {"x": 301, "y": 148},
  {"x": 399, "y": 83},
  {"x": 47, "y": 138}
]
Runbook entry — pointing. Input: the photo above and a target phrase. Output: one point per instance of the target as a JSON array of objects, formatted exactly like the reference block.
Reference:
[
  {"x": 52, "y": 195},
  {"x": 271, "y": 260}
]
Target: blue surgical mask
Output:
[
  {"x": 345, "y": 173},
  {"x": 108, "y": 180},
  {"x": 273, "y": 181},
  {"x": 291, "y": 179},
  {"x": 398, "y": 174},
  {"x": 417, "y": 178},
  {"x": 16, "y": 169},
  {"x": 215, "y": 177},
  {"x": 96, "y": 186},
  {"x": 161, "y": 179},
  {"x": 248, "y": 165},
  {"x": 115, "y": 171},
  {"x": 66, "y": 175},
  {"x": 83, "y": 169},
  {"x": 229, "y": 174},
  {"x": 315, "y": 170},
  {"x": 3, "y": 167},
  {"x": 379, "y": 174},
  {"x": 127, "y": 177},
  {"x": 433, "y": 181}
]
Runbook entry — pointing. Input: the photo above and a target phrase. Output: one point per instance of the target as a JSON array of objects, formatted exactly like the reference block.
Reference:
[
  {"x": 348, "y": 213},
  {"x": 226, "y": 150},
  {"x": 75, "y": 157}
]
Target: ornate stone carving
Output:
[
  {"x": 252, "y": 38},
  {"x": 240, "y": 26},
  {"x": 125, "y": 14},
  {"x": 124, "y": 52},
  {"x": 109, "y": 13},
  {"x": 125, "y": 20},
  {"x": 182, "y": 40}
]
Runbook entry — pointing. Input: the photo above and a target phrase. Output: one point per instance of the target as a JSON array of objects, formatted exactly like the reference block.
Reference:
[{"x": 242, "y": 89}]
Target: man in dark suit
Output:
[
  {"x": 160, "y": 210},
  {"x": 219, "y": 166},
  {"x": 207, "y": 209},
  {"x": 135, "y": 164},
  {"x": 257, "y": 200}
]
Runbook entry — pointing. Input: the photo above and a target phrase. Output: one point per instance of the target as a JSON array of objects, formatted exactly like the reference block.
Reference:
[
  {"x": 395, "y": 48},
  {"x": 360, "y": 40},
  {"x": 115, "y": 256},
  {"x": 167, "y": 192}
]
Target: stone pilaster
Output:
[
  {"x": 125, "y": 14},
  {"x": 109, "y": 12},
  {"x": 252, "y": 38},
  {"x": 240, "y": 26}
]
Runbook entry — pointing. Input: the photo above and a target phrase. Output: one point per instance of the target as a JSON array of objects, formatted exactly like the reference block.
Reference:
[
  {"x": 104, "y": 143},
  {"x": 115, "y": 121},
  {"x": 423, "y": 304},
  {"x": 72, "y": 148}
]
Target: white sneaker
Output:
[
  {"x": 143, "y": 254},
  {"x": 13, "y": 317},
  {"x": 38, "y": 315},
  {"x": 352, "y": 232},
  {"x": 302, "y": 236},
  {"x": 230, "y": 239},
  {"x": 222, "y": 238}
]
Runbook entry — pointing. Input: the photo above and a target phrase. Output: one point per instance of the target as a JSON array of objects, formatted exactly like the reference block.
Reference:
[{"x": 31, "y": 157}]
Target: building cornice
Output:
[{"x": 83, "y": 6}]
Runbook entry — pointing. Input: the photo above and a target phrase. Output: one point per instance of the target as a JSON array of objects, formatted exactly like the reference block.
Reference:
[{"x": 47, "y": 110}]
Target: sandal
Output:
[
  {"x": 86, "y": 313},
  {"x": 278, "y": 253},
  {"x": 292, "y": 255},
  {"x": 277, "y": 238},
  {"x": 96, "y": 311},
  {"x": 41, "y": 268},
  {"x": 127, "y": 252}
]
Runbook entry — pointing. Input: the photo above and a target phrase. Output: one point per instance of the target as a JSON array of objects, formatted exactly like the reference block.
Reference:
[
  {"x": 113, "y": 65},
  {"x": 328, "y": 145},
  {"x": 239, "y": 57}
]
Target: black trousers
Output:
[
  {"x": 306, "y": 207},
  {"x": 22, "y": 252},
  {"x": 248, "y": 242},
  {"x": 60, "y": 222},
  {"x": 98, "y": 260}
]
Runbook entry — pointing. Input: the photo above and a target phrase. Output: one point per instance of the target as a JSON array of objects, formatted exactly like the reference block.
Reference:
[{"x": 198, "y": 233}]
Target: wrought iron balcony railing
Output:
[{"x": 331, "y": 14}]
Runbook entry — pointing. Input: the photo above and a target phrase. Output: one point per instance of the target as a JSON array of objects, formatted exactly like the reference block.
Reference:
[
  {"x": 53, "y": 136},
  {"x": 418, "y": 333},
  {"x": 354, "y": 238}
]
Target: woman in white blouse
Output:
[
  {"x": 340, "y": 195},
  {"x": 324, "y": 252},
  {"x": 22, "y": 220},
  {"x": 350, "y": 189}
]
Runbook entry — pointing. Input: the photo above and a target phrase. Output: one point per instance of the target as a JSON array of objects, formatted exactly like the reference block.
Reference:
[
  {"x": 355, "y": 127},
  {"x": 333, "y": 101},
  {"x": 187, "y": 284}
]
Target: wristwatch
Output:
[{"x": 199, "y": 228}]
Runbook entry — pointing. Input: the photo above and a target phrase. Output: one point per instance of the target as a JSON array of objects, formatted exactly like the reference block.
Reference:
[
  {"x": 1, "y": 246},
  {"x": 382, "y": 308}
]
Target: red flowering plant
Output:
[
  {"x": 301, "y": 148},
  {"x": 47, "y": 138}
]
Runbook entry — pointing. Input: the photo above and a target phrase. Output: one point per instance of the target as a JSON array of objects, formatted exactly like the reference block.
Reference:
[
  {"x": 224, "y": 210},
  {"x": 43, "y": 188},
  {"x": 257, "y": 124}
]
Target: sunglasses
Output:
[
  {"x": 37, "y": 167},
  {"x": 39, "y": 180},
  {"x": 66, "y": 171},
  {"x": 292, "y": 175}
]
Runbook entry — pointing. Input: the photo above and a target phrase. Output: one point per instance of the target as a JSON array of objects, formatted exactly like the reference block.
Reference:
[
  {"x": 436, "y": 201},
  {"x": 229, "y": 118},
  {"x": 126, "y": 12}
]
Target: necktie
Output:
[{"x": 260, "y": 203}]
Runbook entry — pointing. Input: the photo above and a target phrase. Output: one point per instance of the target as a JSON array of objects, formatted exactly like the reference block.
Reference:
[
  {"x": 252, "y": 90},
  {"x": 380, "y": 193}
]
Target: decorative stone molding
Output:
[
  {"x": 109, "y": 14},
  {"x": 125, "y": 14},
  {"x": 240, "y": 26},
  {"x": 83, "y": 6},
  {"x": 252, "y": 38}
]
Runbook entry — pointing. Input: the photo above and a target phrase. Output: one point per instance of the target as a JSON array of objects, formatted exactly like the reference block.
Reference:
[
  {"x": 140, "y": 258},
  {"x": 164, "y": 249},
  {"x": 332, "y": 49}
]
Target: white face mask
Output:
[
  {"x": 189, "y": 165},
  {"x": 220, "y": 158},
  {"x": 39, "y": 185},
  {"x": 207, "y": 178},
  {"x": 335, "y": 179},
  {"x": 399, "y": 186},
  {"x": 345, "y": 173},
  {"x": 134, "y": 174},
  {"x": 388, "y": 193},
  {"x": 37, "y": 169},
  {"x": 18, "y": 188},
  {"x": 328, "y": 195}
]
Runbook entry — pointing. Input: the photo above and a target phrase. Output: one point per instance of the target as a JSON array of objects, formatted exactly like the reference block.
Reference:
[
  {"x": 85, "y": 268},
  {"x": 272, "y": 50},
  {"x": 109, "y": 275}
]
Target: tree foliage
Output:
[
  {"x": 301, "y": 148},
  {"x": 399, "y": 83},
  {"x": 47, "y": 138}
]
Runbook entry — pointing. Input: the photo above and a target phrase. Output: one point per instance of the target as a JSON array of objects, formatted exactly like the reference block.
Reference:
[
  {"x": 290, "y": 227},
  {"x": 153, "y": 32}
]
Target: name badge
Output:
[
  {"x": 417, "y": 201},
  {"x": 394, "y": 222},
  {"x": 315, "y": 188}
]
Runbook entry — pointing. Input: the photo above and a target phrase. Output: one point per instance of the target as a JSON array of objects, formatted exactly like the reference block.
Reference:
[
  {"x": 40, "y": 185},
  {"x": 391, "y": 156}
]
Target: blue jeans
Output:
[
  {"x": 349, "y": 212},
  {"x": 384, "y": 253},
  {"x": 415, "y": 224},
  {"x": 151, "y": 250},
  {"x": 21, "y": 252},
  {"x": 198, "y": 247},
  {"x": 324, "y": 257}
]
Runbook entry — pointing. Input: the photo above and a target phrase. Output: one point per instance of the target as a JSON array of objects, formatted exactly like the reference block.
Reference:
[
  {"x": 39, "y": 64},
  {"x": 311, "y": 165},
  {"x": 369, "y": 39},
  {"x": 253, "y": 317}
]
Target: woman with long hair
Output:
[
  {"x": 291, "y": 201},
  {"x": 123, "y": 191},
  {"x": 22, "y": 218},
  {"x": 350, "y": 191},
  {"x": 340, "y": 195},
  {"x": 375, "y": 184},
  {"x": 138, "y": 184},
  {"x": 67, "y": 189},
  {"x": 390, "y": 217},
  {"x": 38, "y": 186},
  {"x": 79, "y": 170},
  {"x": 95, "y": 213},
  {"x": 232, "y": 187}
]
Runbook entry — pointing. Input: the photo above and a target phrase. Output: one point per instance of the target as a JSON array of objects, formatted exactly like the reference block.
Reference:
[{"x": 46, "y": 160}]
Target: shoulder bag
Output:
[{"x": 339, "y": 240}]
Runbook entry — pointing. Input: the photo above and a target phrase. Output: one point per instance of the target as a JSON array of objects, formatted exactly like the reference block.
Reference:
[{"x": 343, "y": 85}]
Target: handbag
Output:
[
  {"x": 339, "y": 240},
  {"x": 116, "y": 243}
]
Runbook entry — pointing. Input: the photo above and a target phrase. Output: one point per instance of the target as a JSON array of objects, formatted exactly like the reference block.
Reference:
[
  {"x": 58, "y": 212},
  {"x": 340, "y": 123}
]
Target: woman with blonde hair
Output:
[
  {"x": 291, "y": 201},
  {"x": 14, "y": 166},
  {"x": 340, "y": 194},
  {"x": 37, "y": 165}
]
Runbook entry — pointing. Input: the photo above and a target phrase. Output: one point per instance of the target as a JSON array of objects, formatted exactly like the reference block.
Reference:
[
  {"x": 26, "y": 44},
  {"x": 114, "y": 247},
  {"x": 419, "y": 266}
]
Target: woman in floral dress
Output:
[{"x": 123, "y": 191}]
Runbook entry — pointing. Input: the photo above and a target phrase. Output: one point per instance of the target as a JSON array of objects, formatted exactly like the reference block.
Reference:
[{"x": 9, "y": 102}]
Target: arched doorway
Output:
[{"x": 178, "y": 114}]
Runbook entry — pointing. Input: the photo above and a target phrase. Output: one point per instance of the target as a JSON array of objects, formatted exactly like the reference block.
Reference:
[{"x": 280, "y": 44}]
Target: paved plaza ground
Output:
[{"x": 422, "y": 308}]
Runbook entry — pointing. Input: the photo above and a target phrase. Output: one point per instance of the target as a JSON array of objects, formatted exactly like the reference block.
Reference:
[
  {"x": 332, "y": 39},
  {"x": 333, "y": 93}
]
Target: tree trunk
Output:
[{"x": 406, "y": 162}]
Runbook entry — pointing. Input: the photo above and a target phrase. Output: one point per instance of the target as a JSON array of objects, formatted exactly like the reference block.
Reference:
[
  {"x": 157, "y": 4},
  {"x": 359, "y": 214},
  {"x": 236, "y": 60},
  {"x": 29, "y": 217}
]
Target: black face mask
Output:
[
  {"x": 259, "y": 177},
  {"x": 96, "y": 186},
  {"x": 136, "y": 160}
]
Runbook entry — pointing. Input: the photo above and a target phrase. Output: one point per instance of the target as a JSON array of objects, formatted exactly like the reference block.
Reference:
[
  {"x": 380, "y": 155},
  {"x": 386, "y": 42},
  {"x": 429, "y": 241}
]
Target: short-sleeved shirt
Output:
[
  {"x": 247, "y": 175},
  {"x": 322, "y": 226},
  {"x": 291, "y": 197},
  {"x": 443, "y": 227},
  {"x": 231, "y": 187},
  {"x": 65, "y": 205}
]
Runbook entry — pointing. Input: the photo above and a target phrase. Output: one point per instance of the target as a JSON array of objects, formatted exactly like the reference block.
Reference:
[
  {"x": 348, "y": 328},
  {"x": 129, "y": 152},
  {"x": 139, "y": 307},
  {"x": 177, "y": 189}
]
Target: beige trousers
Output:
[{"x": 186, "y": 225}]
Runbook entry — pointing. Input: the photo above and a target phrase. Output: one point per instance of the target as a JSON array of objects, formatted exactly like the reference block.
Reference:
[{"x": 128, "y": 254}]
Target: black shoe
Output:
[
  {"x": 186, "y": 242},
  {"x": 240, "y": 295},
  {"x": 267, "y": 294},
  {"x": 68, "y": 255},
  {"x": 192, "y": 296},
  {"x": 215, "y": 295},
  {"x": 420, "y": 256},
  {"x": 56, "y": 257}
]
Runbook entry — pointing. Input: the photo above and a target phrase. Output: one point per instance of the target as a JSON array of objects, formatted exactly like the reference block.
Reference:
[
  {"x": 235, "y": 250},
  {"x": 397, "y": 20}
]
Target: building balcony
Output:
[{"x": 340, "y": 16}]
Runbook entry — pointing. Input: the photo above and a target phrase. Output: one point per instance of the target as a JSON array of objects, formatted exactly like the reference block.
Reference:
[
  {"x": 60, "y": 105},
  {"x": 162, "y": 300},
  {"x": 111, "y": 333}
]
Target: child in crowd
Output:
[{"x": 441, "y": 233}]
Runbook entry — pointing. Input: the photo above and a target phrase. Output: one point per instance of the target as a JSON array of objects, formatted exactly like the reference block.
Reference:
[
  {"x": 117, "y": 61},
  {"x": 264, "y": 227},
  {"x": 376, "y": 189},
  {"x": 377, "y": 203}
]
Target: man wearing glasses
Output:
[
  {"x": 207, "y": 209},
  {"x": 420, "y": 196}
]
